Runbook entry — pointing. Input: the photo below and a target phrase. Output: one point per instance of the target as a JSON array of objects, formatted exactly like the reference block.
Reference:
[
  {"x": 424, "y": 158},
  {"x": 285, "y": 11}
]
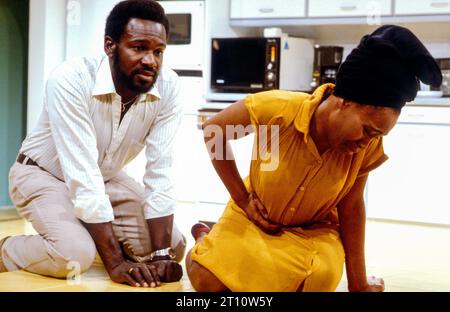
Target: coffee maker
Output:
[
  {"x": 444, "y": 64},
  {"x": 327, "y": 60}
]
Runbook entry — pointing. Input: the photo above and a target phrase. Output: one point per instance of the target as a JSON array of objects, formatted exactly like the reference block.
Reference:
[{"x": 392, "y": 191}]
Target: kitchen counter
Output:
[
  {"x": 429, "y": 101},
  {"x": 419, "y": 101}
]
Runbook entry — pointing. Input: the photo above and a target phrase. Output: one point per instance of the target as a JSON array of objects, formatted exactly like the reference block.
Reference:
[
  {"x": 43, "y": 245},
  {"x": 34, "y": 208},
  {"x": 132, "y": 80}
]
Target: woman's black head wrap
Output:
[{"x": 385, "y": 69}]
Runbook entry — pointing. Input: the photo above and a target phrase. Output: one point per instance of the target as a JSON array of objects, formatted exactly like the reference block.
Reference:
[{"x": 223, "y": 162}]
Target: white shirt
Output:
[{"x": 78, "y": 138}]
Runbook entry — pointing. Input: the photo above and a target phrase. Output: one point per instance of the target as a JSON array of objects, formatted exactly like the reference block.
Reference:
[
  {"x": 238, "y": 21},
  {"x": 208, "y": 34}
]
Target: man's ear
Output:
[{"x": 109, "y": 46}]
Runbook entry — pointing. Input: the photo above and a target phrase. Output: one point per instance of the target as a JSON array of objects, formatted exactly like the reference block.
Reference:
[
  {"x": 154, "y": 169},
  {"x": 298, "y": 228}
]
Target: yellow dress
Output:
[{"x": 301, "y": 192}]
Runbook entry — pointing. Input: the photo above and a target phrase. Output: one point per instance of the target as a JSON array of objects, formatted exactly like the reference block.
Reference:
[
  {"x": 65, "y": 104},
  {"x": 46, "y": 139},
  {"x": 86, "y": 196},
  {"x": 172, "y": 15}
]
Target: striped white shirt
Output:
[{"x": 79, "y": 140}]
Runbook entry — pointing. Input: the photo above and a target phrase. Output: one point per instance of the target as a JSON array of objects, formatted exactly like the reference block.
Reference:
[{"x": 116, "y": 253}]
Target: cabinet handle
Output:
[
  {"x": 266, "y": 10},
  {"x": 349, "y": 7},
  {"x": 439, "y": 4}
]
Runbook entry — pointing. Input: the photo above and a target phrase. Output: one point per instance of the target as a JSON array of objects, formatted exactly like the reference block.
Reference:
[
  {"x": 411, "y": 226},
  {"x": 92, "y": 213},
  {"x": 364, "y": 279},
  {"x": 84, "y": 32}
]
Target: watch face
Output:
[{"x": 168, "y": 252}]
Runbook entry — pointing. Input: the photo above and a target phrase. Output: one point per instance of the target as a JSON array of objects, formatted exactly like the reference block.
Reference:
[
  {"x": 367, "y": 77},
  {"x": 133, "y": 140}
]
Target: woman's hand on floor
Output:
[
  {"x": 374, "y": 284},
  {"x": 257, "y": 213}
]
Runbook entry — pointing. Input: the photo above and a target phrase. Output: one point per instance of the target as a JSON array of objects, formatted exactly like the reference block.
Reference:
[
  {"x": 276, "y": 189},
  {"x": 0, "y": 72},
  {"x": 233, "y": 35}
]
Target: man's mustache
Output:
[{"x": 145, "y": 71}]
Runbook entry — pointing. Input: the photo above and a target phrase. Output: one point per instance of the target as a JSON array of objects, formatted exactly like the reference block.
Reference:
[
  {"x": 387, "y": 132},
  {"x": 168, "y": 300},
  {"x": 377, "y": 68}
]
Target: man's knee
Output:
[{"x": 72, "y": 257}]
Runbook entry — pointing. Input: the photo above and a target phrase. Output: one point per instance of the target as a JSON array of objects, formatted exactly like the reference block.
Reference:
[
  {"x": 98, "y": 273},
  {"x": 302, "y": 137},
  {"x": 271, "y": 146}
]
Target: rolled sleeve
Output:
[
  {"x": 158, "y": 178},
  {"x": 76, "y": 145}
]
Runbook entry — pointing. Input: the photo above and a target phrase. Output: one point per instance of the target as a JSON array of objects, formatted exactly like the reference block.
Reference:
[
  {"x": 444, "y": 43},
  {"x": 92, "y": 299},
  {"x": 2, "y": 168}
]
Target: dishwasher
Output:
[{"x": 413, "y": 185}]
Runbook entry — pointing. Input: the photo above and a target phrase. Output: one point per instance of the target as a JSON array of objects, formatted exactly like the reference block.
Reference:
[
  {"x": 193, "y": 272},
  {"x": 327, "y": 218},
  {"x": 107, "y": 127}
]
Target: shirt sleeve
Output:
[
  {"x": 158, "y": 178},
  {"x": 373, "y": 157},
  {"x": 76, "y": 145}
]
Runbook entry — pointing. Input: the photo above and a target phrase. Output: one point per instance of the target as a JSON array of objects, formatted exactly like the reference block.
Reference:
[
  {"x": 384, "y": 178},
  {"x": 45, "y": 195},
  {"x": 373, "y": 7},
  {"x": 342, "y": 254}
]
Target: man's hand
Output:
[
  {"x": 374, "y": 284},
  {"x": 257, "y": 213},
  {"x": 168, "y": 271},
  {"x": 135, "y": 274}
]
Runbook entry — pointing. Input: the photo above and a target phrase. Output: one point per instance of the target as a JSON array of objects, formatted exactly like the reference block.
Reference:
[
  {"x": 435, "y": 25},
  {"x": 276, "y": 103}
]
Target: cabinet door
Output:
[
  {"x": 413, "y": 185},
  {"x": 346, "y": 8},
  {"x": 195, "y": 177},
  {"x": 420, "y": 7},
  {"x": 267, "y": 8}
]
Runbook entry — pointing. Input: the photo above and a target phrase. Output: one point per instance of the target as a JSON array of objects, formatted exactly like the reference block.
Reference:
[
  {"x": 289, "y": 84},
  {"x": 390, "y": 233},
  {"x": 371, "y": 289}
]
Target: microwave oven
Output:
[{"x": 245, "y": 65}]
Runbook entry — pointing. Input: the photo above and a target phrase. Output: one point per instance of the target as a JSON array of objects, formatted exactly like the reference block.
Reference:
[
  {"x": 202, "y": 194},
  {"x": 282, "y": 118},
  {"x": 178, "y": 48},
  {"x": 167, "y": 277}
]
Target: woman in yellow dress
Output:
[{"x": 299, "y": 215}]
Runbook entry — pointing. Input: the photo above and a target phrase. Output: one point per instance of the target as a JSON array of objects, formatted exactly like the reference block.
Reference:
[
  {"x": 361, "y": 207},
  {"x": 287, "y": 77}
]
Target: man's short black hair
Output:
[{"x": 122, "y": 12}]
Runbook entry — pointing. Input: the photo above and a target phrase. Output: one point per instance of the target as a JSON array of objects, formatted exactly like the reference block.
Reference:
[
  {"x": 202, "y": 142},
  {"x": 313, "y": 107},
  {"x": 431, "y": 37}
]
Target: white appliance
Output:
[
  {"x": 186, "y": 40},
  {"x": 185, "y": 46},
  {"x": 413, "y": 185}
]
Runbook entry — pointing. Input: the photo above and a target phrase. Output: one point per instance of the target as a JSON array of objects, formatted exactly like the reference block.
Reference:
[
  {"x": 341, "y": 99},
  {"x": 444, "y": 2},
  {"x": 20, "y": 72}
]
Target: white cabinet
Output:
[
  {"x": 267, "y": 9},
  {"x": 422, "y": 7},
  {"x": 347, "y": 8},
  {"x": 195, "y": 176},
  {"x": 413, "y": 185},
  {"x": 191, "y": 93}
]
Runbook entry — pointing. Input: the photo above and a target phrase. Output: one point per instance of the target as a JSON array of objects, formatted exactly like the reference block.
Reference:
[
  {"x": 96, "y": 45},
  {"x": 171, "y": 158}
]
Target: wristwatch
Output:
[{"x": 166, "y": 253}]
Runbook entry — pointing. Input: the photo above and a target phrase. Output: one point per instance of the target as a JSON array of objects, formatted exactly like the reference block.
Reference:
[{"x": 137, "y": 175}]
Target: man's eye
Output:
[
  {"x": 139, "y": 48},
  {"x": 159, "y": 52}
]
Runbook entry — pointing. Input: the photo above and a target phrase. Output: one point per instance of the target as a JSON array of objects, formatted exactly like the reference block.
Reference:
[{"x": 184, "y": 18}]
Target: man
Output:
[{"x": 68, "y": 181}]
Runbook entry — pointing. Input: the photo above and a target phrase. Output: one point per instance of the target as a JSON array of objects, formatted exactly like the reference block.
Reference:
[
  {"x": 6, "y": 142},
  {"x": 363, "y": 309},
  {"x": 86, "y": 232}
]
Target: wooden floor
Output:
[{"x": 409, "y": 258}]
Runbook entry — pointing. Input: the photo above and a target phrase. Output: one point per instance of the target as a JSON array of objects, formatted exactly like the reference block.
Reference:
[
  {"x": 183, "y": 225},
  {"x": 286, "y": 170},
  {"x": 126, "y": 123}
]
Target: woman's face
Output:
[{"x": 351, "y": 126}]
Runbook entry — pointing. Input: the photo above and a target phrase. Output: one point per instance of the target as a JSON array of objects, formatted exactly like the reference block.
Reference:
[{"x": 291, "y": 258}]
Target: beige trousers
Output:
[{"x": 44, "y": 201}]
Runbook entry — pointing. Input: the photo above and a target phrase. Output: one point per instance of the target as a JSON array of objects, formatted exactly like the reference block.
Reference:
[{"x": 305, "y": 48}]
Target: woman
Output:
[{"x": 292, "y": 227}]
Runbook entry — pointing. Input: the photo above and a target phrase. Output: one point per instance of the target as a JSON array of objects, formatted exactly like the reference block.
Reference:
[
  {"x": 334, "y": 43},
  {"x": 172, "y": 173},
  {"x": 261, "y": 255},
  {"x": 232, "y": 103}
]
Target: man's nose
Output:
[{"x": 149, "y": 59}]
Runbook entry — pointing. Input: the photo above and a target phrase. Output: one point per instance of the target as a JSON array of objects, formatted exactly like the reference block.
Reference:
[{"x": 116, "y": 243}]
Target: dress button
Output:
[
  {"x": 309, "y": 272},
  {"x": 292, "y": 209},
  {"x": 302, "y": 188}
]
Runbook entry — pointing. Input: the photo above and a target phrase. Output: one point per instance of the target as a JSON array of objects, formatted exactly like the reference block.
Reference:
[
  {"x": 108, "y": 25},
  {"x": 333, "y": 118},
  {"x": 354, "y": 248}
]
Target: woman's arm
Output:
[
  {"x": 352, "y": 219},
  {"x": 233, "y": 123}
]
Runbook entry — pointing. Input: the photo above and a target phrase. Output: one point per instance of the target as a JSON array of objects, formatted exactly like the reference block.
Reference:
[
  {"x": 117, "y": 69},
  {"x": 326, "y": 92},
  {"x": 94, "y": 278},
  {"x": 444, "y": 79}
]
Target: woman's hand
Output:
[
  {"x": 257, "y": 213},
  {"x": 374, "y": 284}
]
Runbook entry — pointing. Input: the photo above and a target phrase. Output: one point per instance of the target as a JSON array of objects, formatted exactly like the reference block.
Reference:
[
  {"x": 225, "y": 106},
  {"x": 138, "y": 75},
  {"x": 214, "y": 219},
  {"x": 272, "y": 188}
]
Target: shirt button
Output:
[
  {"x": 292, "y": 209},
  {"x": 302, "y": 188},
  {"x": 309, "y": 272}
]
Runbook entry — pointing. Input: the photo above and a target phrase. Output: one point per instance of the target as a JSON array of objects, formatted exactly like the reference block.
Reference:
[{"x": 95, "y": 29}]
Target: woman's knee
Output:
[
  {"x": 323, "y": 278},
  {"x": 201, "y": 278}
]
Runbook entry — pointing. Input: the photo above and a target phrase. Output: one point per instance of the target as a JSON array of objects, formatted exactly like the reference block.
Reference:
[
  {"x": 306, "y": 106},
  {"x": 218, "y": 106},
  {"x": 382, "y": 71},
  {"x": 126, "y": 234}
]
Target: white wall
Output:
[{"x": 46, "y": 50}]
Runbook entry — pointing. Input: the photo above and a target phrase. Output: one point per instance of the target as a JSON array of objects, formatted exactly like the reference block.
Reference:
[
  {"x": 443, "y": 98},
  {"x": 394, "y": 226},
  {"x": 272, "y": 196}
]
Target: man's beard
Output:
[{"x": 128, "y": 80}]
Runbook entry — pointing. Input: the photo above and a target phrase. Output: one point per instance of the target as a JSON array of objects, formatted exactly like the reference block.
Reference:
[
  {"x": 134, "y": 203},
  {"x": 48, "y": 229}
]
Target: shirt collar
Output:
[
  {"x": 304, "y": 115},
  {"x": 104, "y": 83}
]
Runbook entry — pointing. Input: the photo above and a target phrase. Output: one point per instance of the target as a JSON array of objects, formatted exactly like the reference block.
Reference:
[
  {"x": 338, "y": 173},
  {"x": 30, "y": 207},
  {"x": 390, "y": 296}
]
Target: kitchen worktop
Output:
[
  {"x": 419, "y": 101},
  {"x": 429, "y": 101}
]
